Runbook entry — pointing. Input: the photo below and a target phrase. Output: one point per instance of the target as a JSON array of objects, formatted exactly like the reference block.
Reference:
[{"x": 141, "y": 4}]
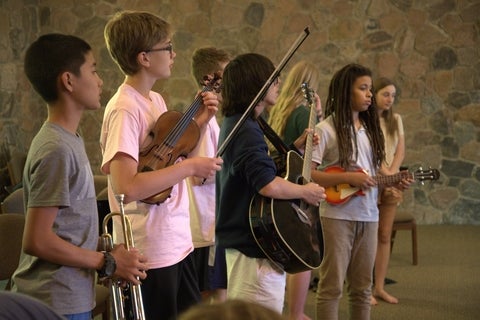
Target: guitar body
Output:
[{"x": 288, "y": 231}]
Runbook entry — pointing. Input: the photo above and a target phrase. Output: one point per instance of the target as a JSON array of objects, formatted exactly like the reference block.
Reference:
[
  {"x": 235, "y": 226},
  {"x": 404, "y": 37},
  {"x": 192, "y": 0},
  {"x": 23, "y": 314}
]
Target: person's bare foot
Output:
[
  {"x": 386, "y": 297},
  {"x": 373, "y": 301}
]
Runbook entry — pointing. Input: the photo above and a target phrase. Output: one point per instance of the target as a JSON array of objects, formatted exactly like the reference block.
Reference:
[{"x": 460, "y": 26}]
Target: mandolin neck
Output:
[{"x": 394, "y": 178}]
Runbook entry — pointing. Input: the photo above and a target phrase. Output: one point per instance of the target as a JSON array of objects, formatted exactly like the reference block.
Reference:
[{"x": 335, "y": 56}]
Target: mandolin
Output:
[
  {"x": 341, "y": 193},
  {"x": 174, "y": 135}
]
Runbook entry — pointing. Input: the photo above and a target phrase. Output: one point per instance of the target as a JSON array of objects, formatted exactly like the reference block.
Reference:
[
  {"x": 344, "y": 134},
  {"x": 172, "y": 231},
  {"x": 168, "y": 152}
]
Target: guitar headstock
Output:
[
  {"x": 212, "y": 82},
  {"x": 422, "y": 175},
  {"x": 308, "y": 93}
]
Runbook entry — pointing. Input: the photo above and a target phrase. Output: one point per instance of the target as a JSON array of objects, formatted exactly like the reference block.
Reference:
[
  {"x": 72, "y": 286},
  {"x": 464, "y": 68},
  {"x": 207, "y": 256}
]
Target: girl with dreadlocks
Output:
[{"x": 351, "y": 142}]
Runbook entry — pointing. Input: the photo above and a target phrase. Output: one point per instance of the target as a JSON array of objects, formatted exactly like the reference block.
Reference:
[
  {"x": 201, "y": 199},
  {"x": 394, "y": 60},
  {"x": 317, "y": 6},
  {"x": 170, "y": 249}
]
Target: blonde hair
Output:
[
  {"x": 128, "y": 33},
  {"x": 291, "y": 94}
]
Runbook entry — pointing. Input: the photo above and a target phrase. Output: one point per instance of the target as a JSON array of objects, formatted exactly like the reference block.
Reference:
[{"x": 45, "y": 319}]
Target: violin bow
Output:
[{"x": 303, "y": 35}]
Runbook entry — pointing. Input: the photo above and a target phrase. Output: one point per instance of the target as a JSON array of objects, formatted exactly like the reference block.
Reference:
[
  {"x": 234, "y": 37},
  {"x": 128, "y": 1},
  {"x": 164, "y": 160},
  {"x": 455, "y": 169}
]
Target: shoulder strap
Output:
[{"x": 273, "y": 137}]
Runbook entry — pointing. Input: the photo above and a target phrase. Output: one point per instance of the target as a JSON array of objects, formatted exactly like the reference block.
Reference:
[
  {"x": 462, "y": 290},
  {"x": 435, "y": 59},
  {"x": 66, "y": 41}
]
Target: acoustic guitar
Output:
[
  {"x": 341, "y": 193},
  {"x": 289, "y": 231}
]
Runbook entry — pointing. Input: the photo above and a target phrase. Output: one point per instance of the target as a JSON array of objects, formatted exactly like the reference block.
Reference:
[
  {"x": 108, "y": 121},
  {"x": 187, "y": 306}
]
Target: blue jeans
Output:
[{"x": 79, "y": 316}]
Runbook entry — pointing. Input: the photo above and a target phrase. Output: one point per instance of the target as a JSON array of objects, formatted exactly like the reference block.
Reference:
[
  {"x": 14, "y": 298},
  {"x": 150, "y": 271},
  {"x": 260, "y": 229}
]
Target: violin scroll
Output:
[{"x": 212, "y": 82}]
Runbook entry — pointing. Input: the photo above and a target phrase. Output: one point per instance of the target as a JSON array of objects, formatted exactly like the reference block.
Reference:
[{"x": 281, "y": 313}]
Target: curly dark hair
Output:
[{"x": 339, "y": 106}]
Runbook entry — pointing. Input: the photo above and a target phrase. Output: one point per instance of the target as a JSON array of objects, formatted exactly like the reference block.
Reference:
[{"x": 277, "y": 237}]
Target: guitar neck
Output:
[{"x": 307, "y": 157}]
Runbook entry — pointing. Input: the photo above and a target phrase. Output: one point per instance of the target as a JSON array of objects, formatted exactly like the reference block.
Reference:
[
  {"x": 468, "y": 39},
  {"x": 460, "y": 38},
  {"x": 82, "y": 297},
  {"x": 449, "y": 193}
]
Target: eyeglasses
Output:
[{"x": 168, "y": 48}]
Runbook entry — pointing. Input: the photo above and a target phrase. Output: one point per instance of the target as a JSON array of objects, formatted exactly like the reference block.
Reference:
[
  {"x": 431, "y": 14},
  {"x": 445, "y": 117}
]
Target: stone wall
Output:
[{"x": 430, "y": 48}]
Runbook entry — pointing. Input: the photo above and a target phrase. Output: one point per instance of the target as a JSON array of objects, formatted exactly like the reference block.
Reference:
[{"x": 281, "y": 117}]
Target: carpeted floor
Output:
[{"x": 444, "y": 285}]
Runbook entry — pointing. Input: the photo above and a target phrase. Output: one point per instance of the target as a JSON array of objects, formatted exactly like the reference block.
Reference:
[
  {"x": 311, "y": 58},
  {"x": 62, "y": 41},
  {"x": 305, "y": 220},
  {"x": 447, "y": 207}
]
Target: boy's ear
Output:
[
  {"x": 66, "y": 80},
  {"x": 143, "y": 59}
]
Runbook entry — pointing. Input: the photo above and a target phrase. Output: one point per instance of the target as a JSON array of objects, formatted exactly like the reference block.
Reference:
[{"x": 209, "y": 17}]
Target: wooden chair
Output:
[
  {"x": 11, "y": 234},
  {"x": 13, "y": 203},
  {"x": 404, "y": 220},
  {"x": 15, "y": 167}
]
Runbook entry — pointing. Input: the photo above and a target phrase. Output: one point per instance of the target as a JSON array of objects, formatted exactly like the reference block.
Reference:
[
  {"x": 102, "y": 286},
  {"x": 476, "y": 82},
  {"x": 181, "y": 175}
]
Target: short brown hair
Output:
[
  {"x": 128, "y": 33},
  {"x": 207, "y": 61}
]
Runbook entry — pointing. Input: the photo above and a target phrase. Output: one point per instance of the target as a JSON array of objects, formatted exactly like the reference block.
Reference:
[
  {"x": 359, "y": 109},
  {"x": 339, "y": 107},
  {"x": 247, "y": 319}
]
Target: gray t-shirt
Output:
[
  {"x": 16, "y": 306},
  {"x": 57, "y": 174}
]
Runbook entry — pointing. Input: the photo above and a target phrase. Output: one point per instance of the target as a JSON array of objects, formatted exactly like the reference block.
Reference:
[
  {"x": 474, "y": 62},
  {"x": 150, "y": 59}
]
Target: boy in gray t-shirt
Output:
[{"x": 59, "y": 258}]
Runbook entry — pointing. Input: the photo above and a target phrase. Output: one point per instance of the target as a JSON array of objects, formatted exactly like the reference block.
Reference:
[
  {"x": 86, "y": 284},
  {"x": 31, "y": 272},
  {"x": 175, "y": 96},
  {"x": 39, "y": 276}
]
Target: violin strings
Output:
[{"x": 169, "y": 142}]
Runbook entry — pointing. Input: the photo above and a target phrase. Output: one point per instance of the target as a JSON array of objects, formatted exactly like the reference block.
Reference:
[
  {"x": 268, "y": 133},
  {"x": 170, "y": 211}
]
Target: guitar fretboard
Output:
[{"x": 307, "y": 157}]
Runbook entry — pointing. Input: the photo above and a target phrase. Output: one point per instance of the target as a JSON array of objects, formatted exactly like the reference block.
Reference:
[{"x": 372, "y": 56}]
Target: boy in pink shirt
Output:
[{"x": 140, "y": 43}]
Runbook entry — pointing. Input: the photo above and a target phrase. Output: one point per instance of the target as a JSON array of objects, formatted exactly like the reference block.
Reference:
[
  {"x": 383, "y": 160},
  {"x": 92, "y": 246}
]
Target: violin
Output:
[{"x": 174, "y": 135}]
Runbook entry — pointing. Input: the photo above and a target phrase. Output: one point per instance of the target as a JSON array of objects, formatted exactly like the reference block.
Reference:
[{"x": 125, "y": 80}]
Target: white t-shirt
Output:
[
  {"x": 358, "y": 208},
  {"x": 161, "y": 232}
]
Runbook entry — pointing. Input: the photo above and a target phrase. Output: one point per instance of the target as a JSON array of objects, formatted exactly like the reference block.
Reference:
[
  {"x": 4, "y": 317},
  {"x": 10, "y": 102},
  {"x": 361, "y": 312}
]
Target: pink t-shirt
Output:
[{"x": 161, "y": 232}]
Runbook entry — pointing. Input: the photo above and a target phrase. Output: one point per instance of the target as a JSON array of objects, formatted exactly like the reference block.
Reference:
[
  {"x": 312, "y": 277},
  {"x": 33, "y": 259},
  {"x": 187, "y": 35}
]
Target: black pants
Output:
[{"x": 168, "y": 291}]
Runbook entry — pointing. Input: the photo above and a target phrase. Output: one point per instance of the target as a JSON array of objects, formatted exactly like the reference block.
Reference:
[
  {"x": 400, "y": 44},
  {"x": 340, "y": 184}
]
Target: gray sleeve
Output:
[{"x": 16, "y": 306}]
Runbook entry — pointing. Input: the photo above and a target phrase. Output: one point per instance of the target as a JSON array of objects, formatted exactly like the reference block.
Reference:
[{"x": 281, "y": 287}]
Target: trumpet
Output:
[{"x": 127, "y": 302}]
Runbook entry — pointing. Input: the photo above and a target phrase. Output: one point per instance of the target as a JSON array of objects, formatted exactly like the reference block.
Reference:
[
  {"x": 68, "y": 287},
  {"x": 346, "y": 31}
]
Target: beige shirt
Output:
[{"x": 391, "y": 142}]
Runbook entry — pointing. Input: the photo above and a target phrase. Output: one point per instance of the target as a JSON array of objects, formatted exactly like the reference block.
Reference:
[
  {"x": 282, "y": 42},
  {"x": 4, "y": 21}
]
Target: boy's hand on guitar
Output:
[
  {"x": 301, "y": 141},
  {"x": 313, "y": 193}
]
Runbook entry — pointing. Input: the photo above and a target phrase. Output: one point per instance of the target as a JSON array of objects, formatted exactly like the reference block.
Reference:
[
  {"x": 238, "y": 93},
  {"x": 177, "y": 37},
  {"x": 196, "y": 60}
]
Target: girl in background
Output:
[
  {"x": 392, "y": 128},
  {"x": 289, "y": 118}
]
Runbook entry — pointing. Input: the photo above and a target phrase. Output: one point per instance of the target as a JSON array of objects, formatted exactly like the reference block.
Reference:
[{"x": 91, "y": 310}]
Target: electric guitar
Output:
[
  {"x": 341, "y": 193},
  {"x": 289, "y": 231}
]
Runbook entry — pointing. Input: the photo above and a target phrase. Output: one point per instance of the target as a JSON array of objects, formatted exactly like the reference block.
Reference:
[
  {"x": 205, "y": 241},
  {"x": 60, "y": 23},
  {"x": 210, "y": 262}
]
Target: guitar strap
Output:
[{"x": 273, "y": 137}]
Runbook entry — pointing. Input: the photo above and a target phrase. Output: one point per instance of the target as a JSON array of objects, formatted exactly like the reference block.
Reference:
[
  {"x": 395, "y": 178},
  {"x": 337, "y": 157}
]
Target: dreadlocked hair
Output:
[{"x": 339, "y": 106}]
